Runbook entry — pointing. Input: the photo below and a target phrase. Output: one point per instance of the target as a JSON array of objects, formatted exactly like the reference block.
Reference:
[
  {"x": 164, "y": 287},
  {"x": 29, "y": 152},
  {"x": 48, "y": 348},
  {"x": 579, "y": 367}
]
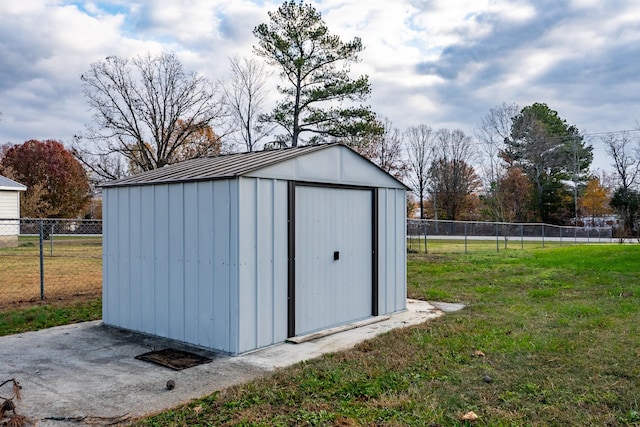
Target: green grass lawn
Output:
[
  {"x": 41, "y": 316},
  {"x": 435, "y": 245},
  {"x": 549, "y": 337},
  {"x": 553, "y": 330}
]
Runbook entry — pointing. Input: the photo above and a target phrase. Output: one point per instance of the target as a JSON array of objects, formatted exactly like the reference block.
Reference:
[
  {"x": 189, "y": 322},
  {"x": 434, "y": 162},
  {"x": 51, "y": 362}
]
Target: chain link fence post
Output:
[
  {"x": 426, "y": 248},
  {"x": 465, "y": 237},
  {"x": 41, "y": 250}
]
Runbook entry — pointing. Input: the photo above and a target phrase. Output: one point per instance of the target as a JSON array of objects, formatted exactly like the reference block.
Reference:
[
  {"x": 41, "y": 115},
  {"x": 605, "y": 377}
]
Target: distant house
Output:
[{"x": 9, "y": 211}]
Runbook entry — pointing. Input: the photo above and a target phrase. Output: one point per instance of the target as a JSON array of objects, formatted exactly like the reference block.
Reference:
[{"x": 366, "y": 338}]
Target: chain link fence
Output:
[
  {"x": 61, "y": 259},
  {"x": 49, "y": 259},
  {"x": 462, "y": 236}
]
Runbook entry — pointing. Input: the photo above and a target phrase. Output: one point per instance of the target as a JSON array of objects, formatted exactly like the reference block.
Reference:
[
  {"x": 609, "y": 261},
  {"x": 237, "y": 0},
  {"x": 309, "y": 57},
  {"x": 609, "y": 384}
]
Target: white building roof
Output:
[{"x": 11, "y": 185}]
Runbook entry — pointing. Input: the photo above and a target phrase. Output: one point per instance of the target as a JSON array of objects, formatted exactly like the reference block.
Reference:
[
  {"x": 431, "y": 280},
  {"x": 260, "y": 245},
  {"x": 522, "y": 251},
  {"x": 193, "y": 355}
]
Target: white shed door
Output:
[{"x": 332, "y": 223}]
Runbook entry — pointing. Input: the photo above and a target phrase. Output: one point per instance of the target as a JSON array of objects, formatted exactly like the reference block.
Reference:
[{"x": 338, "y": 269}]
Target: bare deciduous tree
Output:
[
  {"x": 384, "y": 150},
  {"x": 453, "y": 178},
  {"x": 245, "y": 95},
  {"x": 493, "y": 130},
  {"x": 145, "y": 110},
  {"x": 622, "y": 149},
  {"x": 420, "y": 149}
]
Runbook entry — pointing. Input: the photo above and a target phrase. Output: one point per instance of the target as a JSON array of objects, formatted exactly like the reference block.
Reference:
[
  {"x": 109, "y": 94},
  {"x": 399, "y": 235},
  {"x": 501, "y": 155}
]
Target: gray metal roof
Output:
[
  {"x": 9, "y": 184},
  {"x": 221, "y": 167}
]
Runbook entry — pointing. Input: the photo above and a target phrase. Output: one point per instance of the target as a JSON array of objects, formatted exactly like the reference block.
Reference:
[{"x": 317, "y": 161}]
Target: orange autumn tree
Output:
[
  {"x": 57, "y": 184},
  {"x": 202, "y": 142},
  {"x": 595, "y": 200}
]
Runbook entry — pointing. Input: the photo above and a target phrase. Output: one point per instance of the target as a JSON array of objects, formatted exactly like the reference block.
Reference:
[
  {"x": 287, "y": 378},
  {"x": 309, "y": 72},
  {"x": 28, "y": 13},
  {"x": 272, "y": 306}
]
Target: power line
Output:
[
  {"x": 585, "y": 135},
  {"x": 612, "y": 132}
]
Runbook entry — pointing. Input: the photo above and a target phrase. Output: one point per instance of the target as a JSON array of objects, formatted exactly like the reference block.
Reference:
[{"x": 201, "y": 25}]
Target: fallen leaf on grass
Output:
[
  {"x": 197, "y": 409},
  {"x": 469, "y": 416},
  {"x": 478, "y": 353}
]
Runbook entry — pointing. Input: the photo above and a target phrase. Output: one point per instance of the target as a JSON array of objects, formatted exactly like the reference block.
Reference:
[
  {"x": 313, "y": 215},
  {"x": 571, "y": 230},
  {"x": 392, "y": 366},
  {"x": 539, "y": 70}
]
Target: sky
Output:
[{"x": 444, "y": 63}]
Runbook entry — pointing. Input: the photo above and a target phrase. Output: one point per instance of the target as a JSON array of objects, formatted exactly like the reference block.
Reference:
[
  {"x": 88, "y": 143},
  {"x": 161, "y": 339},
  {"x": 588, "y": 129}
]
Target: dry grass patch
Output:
[{"x": 72, "y": 270}]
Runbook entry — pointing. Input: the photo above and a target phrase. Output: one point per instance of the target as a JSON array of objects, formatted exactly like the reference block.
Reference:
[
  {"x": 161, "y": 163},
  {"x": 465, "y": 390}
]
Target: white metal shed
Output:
[
  {"x": 242, "y": 251},
  {"x": 9, "y": 211}
]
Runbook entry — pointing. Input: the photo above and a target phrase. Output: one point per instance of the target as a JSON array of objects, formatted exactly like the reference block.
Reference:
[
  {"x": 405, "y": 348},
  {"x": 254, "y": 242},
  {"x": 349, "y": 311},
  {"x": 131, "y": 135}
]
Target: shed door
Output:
[{"x": 333, "y": 257}]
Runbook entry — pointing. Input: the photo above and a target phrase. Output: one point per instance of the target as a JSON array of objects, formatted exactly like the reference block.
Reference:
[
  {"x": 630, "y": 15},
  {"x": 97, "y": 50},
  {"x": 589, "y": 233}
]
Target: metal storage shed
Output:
[
  {"x": 9, "y": 211},
  {"x": 242, "y": 251}
]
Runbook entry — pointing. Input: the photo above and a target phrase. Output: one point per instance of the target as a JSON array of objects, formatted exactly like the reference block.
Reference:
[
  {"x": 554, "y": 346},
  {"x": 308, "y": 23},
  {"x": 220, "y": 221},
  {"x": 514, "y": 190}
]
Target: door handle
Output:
[{"x": 336, "y": 255}]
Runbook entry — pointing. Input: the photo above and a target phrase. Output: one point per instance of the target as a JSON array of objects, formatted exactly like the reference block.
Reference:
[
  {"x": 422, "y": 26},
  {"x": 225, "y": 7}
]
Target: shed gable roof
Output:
[
  {"x": 227, "y": 166},
  {"x": 11, "y": 185}
]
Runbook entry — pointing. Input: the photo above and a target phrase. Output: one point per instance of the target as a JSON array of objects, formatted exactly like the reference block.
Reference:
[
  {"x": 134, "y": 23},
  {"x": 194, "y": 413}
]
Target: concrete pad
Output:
[
  {"x": 314, "y": 336},
  {"x": 447, "y": 307},
  {"x": 89, "y": 370}
]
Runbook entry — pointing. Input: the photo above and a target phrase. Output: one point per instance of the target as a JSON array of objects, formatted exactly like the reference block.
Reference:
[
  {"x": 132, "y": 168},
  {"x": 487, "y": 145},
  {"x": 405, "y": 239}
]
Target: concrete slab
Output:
[
  {"x": 89, "y": 370},
  {"x": 447, "y": 307}
]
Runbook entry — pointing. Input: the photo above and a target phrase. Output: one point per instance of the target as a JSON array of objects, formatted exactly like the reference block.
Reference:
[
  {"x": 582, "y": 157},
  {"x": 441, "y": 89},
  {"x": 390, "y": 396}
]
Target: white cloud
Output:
[{"x": 437, "y": 62}]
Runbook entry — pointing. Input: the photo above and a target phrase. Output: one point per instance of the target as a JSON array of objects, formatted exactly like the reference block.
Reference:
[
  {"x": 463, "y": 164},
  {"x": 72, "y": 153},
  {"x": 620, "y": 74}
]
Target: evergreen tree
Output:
[
  {"x": 550, "y": 152},
  {"x": 315, "y": 68}
]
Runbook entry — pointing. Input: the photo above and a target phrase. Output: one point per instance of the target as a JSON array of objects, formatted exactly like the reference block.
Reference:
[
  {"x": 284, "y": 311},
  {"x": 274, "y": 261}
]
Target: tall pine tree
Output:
[
  {"x": 551, "y": 153},
  {"x": 319, "y": 97}
]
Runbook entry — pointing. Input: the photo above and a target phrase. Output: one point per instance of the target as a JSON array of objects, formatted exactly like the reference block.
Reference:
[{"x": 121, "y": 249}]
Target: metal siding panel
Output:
[
  {"x": 257, "y": 203},
  {"x": 106, "y": 264},
  {"x": 191, "y": 259},
  {"x": 393, "y": 252},
  {"x": 280, "y": 259},
  {"x": 105, "y": 259},
  {"x": 162, "y": 260},
  {"x": 123, "y": 255},
  {"x": 335, "y": 165},
  {"x": 221, "y": 258},
  {"x": 358, "y": 170},
  {"x": 134, "y": 239},
  {"x": 383, "y": 253},
  {"x": 205, "y": 244},
  {"x": 147, "y": 282},
  {"x": 248, "y": 280},
  {"x": 176, "y": 261},
  {"x": 396, "y": 222},
  {"x": 401, "y": 249},
  {"x": 234, "y": 267},
  {"x": 393, "y": 290},
  {"x": 110, "y": 258},
  {"x": 329, "y": 292},
  {"x": 265, "y": 257},
  {"x": 357, "y": 236},
  {"x": 180, "y": 237}
]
